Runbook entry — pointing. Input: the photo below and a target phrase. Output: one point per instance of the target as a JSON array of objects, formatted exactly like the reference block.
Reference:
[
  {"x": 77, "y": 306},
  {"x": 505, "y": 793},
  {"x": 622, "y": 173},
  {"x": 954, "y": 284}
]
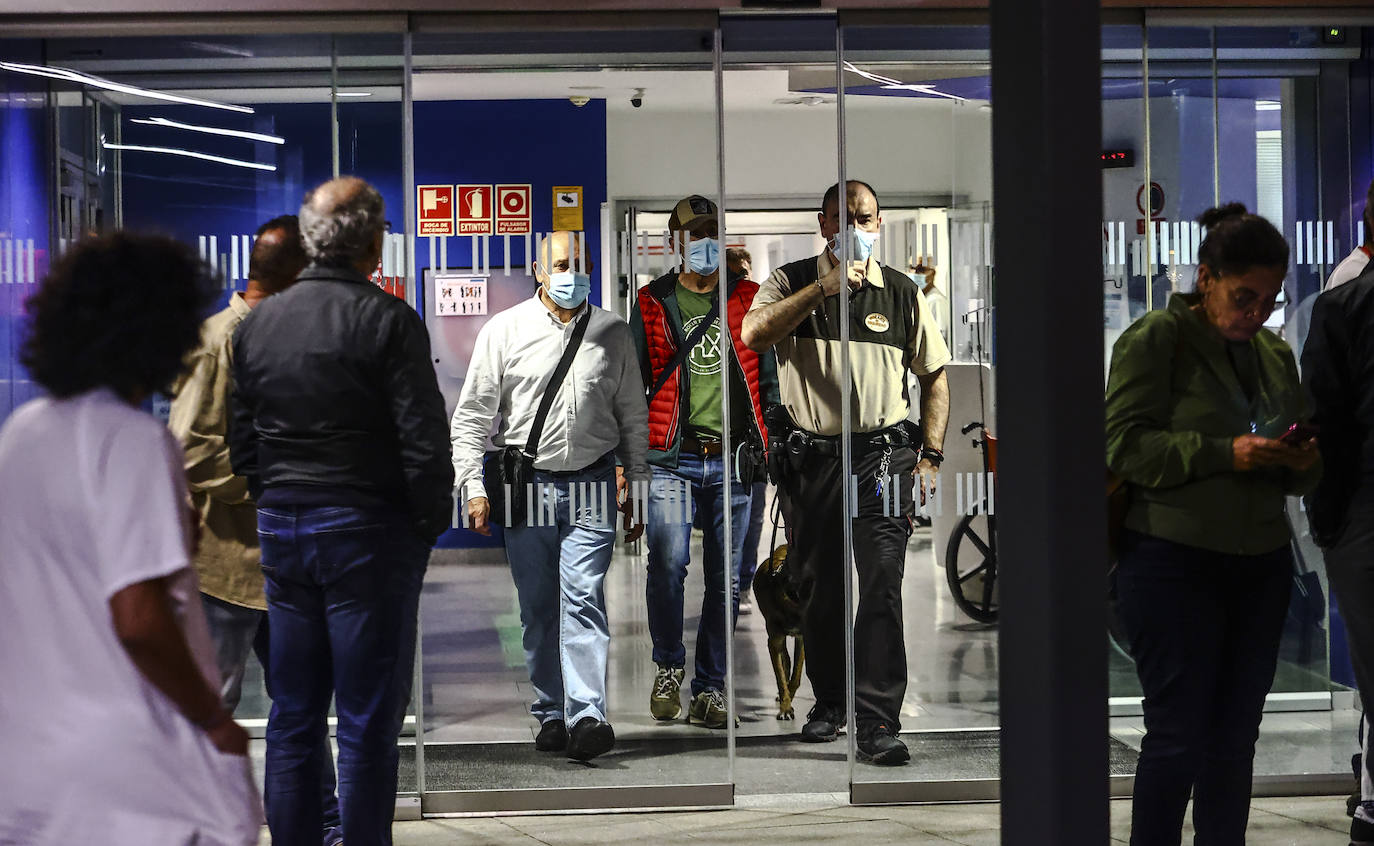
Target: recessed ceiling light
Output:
[
  {"x": 352, "y": 93},
  {"x": 1268, "y": 105}
]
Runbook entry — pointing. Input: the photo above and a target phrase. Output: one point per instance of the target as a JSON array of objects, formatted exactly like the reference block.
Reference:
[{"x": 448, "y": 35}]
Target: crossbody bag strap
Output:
[{"x": 555, "y": 383}]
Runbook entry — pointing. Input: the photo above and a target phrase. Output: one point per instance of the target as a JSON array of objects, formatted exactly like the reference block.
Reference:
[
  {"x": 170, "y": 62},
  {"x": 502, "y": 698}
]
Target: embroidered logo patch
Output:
[{"x": 877, "y": 322}]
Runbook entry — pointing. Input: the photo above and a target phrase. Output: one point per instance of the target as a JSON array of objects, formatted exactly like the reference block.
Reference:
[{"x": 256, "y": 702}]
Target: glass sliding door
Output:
[
  {"x": 543, "y": 141},
  {"x": 917, "y": 129}
]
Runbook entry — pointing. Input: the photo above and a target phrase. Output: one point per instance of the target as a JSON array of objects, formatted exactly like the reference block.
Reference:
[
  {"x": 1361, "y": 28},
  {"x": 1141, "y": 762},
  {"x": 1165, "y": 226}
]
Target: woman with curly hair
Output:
[
  {"x": 109, "y": 717},
  {"x": 1198, "y": 403}
]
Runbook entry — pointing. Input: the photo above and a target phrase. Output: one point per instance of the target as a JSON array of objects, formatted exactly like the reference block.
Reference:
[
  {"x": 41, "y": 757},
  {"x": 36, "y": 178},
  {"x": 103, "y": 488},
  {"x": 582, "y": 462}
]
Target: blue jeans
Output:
[
  {"x": 749, "y": 564},
  {"x": 693, "y": 493},
  {"x": 343, "y": 591},
  {"x": 235, "y": 630},
  {"x": 558, "y": 560}
]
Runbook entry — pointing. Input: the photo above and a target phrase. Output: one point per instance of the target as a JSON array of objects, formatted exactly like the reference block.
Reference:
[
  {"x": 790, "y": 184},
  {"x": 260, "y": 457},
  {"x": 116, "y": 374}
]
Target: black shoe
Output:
[
  {"x": 1361, "y": 832},
  {"x": 823, "y": 724},
  {"x": 590, "y": 737},
  {"x": 552, "y": 737},
  {"x": 878, "y": 745}
]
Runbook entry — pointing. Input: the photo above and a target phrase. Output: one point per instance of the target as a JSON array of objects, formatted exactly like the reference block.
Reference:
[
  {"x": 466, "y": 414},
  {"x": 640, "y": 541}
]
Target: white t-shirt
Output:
[
  {"x": 1353, "y": 265},
  {"x": 93, "y": 500}
]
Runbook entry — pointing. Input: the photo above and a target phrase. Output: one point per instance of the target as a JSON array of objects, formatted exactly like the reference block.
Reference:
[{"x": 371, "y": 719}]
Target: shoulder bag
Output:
[{"x": 508, "y": 473}]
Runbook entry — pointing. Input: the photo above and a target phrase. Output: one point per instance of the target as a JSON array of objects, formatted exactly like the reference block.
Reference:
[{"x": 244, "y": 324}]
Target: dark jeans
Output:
[
  {"x": 1204, "y": 630},
  {"x": 343, "y": 591},
  {"x": 749, "y": 564},
  {"x": 814, "y": 508},
  {"x": 236, "y": 630},
  {"x": 1350, "y": 566}
]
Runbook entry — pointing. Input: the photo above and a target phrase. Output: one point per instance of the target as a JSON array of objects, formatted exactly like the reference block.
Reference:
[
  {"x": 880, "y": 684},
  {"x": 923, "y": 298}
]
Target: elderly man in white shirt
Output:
[{"x": 592, "y": 447}]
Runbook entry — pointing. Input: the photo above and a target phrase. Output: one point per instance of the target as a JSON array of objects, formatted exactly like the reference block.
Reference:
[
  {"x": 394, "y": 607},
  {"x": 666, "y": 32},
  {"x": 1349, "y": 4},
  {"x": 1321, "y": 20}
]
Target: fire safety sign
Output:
[
  {"x": 434, "y": 209},
  {"x": 474, "y": 210},
  {"x": 513, "y": 209}
]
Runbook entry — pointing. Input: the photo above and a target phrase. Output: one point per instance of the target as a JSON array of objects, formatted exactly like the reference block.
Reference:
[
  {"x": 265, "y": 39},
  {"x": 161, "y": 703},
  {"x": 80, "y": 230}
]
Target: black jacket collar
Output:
[{"x": 326, "y": 273}]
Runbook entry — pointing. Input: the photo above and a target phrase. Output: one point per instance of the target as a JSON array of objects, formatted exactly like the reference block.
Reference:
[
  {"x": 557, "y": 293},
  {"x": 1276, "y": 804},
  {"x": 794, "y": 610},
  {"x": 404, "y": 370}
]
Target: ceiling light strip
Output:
[
  {"x": 212, "y": 130},
  {"x": 98, "y": 82},
  {"x": 190, "y": 154}
]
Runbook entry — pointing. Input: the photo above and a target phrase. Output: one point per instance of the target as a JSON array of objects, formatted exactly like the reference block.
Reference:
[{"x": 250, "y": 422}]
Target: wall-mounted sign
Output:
[
  {"x": 513, "y": 210},
  {"x": 460, "y": 296},
  {"x": 434, "y": 209},
  {"x": 567, "y": 208},
  {"x": 474, "y": 210}
]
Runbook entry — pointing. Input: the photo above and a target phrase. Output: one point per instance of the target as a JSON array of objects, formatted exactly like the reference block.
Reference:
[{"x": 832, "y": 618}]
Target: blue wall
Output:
[{"x": 542, "y": 142}]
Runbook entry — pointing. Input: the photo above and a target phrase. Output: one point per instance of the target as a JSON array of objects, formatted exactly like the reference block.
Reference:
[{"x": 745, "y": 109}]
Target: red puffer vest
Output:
[{"x": 662, "y": 333}]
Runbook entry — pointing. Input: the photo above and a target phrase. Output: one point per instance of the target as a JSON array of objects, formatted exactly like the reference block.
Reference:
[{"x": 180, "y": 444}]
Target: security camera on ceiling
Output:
[{"x": 637, "y": 99}]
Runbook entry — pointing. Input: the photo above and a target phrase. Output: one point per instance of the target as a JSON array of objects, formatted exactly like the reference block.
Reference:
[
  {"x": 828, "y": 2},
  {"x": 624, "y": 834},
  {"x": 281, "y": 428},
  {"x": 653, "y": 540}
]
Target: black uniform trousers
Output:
[{"x": 814, "y": 504}]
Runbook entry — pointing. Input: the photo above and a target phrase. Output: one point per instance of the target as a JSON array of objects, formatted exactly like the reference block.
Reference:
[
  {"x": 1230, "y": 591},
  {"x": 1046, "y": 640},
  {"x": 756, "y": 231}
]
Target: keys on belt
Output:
[{"x": 701, "y": 446}]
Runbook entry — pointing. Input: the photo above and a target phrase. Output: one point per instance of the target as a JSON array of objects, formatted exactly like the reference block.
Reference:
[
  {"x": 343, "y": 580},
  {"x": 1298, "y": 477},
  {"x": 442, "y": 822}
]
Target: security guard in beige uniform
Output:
[{"x": 892, "y": 332}]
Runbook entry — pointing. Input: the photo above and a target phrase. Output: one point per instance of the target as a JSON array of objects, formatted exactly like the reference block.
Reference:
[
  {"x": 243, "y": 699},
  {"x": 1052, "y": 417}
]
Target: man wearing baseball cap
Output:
[{"x": 676, "y": 327}]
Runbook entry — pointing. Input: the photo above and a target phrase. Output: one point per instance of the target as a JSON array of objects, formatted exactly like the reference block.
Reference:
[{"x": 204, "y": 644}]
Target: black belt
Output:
[
  {"x": 891, "y": 437},
  {"x": 700, "y": 446}
]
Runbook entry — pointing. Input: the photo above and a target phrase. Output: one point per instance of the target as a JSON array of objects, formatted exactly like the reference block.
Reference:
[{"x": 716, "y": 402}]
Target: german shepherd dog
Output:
[{"x": 778, "y": 600}]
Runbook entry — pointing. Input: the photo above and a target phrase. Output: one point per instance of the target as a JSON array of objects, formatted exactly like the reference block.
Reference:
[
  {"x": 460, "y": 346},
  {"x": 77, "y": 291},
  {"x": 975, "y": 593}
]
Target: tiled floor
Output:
[
  {"x": 825, "y": 818},
  {"x": 475, "y": 694}
]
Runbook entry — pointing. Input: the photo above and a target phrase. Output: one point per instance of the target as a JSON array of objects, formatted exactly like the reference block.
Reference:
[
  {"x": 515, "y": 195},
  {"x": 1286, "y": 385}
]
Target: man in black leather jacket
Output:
[{"x": 339, "y": 426}]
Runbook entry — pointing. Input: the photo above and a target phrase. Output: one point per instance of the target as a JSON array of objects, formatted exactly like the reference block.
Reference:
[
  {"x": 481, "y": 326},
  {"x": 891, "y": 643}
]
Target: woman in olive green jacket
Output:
[{"x": 1198, "y": 398}]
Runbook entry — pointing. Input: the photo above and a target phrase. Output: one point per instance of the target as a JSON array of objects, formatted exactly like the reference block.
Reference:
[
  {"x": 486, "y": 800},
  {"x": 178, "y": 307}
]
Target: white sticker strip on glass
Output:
[
  {"x": 234, "y": 258},
  {"x": 1359, "y": 232},
  {"x": 214, "y": 252},
  {"x": 581, "y": 251},
  {"x": 935, "y": 243},
  {"x": 1311, "y": 246},
  {"x": 443, "y": 253},
  {"x": 247, "y": 247},
  {"x": 1331, "y": 241},
  {"x": 959, "y": 494},
  {"x": 434, "y": 265},
  {"x": 476, "y": 261},
  {"x": 1297, "y": 245},
  {"x": 1321, "y": 247},
  {"x": 992, "y": 492},
  {"x": 1121, "y": 245},
  {"x": 639, "y": 493},
  {"x": 506, "y": 238},
  {"x": 7, "y": 267},
  {"x": 486, "y": 255},
  {"x": 204, "y": 251},
  {"x": 987, "y": 245},
  {"x": 854, "y": 495}
]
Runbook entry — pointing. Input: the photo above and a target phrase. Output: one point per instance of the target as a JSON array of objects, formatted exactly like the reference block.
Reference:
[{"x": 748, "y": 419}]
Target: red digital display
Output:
[{"x": 1118, "y": 158}]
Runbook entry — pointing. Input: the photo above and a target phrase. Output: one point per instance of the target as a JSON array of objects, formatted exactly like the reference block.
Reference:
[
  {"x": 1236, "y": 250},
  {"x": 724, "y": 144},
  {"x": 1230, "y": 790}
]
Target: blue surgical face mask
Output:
[
  {"x": 860, "y": 244},
  {"x": 703, "y": 255},
  {"x": 568, "y": 289}
]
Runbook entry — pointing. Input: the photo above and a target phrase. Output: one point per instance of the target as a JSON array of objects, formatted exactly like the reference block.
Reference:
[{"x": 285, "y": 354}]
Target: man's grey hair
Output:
[{"x": 339, "y": 231}]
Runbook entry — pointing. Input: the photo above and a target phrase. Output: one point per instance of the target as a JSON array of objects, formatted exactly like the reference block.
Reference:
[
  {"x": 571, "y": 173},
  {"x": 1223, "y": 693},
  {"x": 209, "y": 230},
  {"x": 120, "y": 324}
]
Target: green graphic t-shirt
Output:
[{"x": 702, "y": 364}]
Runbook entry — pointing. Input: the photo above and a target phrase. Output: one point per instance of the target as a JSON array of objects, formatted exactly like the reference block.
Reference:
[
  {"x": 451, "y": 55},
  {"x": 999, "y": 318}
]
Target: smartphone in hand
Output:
[{"x": 1298, "y": 434}]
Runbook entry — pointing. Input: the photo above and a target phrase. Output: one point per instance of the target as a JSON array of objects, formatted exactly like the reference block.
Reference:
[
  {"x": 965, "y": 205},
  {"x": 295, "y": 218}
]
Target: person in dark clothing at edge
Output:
[
  {"x": 892, "y": 333},
  {"x": 685, "y": 428},
  {"x": 1198, "y": 397},
  {"x": 1338, "y": 369},
  {"x": 338, "y": 424}
]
